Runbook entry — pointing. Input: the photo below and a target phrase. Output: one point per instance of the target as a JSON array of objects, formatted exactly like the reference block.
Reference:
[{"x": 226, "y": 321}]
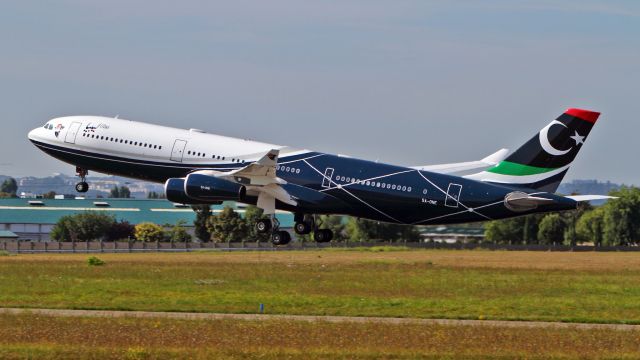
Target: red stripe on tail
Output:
[{"x": 586, "y": 115}]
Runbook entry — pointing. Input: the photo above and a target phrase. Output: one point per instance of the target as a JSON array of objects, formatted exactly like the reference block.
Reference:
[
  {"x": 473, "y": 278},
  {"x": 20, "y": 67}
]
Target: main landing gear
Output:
[
  {"x": 82, "y": 186},
  {"x": 278, "y": 237},
  {"x": 304, "y": 225}
]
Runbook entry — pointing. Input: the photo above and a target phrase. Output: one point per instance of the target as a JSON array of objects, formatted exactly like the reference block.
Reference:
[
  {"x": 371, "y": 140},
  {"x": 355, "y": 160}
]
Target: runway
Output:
[{"x": 308, "y": 318}]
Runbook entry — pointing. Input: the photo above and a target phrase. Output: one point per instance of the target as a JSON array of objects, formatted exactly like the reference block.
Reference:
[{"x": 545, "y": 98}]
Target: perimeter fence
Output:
[{"x": 25, "y": 247}]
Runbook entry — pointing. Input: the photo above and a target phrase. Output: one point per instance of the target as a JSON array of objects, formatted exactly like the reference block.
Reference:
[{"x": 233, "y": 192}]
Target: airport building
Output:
[{"x": 33, "y": 219}]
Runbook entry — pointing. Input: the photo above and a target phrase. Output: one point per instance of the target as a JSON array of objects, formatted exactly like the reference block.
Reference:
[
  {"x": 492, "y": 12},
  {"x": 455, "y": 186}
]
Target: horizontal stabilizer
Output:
[
  {"x": 487, "y": 162},
  {"x": 590, "y": 197}
]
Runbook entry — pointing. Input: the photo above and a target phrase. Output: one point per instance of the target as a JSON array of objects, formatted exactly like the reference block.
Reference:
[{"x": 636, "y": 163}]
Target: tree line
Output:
[
  {"x": 9, "y": 188},
  {"x": 616, "y": 223},
  {"x": 90, "y": 226},
  {"x": 226, "y": 226},
  {"x": 229, "y": 226}
]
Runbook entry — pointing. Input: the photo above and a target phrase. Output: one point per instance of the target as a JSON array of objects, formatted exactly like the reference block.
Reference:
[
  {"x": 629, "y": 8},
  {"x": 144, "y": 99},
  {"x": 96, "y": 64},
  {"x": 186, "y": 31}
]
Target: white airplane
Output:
[{"x": 202, "y": 168}]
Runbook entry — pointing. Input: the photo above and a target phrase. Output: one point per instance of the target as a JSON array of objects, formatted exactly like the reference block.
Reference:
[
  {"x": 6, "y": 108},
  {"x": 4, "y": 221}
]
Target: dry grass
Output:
[
  {"x": 533, "y": 260},
  {"x": 59, "y": 337}
]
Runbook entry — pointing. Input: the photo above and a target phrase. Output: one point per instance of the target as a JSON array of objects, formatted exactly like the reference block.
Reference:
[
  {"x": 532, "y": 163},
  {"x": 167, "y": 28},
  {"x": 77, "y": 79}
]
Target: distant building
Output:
[
  {"x": 592, "y": 187},
  {"x": 7, "y": 235},
  {"x": 33, "y": 219},
  {"x": 100, "y": 186},
  {"x": 452, "y": 234}
]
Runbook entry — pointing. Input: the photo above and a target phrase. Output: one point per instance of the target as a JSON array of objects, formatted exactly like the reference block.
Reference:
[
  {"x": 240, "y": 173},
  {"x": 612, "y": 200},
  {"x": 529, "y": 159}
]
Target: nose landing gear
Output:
[{"x": 82, "y": 186}]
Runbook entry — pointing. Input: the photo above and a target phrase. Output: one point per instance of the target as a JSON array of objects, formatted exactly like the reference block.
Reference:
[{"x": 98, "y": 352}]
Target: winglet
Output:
[{"x": 270, "y": 158}]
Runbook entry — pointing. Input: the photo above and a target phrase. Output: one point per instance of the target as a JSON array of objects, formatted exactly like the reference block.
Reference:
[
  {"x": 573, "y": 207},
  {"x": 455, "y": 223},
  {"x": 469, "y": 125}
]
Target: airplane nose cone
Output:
[{"x": 33, "y": 134}]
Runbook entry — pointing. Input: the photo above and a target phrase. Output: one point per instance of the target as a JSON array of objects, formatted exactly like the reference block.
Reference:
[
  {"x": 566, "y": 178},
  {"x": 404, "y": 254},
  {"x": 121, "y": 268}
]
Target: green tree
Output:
[
  {"x": 227, "y": 226},
  {"x": 125, "y": 193},
  {"x": 517, "y": 230},
  {"x": 9, "y": 187},
  {"x": 149, "y": 232},
  {"x": 50, "y": 195},
  {"x": 64, "y": 229},
  {"x": 571, "y": 218},
  {"x": 120, "y": 192},
  {"x": 251, "y": 215},
  {"x": 154, "y": 195},
  {"x": 82, "y": 227},
  {"x": 369, "y": 230},
  {"x": 356, "y": 231},
  {"x": 121, "y": 230},
  {"x": 551, "y": 229},
  {"x": 622, "y": 217},
  {"x": 590, "y": 226},
  {"x": 336, "y": 225},
  {"x": 178, "y": 233},
  {"x": 203, "y": 213},
  {"x": 507, "y": 231}
]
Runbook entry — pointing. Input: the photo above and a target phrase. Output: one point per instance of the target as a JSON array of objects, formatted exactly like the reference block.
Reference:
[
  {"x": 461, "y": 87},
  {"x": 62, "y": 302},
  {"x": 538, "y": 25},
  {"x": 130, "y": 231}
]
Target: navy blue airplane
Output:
[{"x": 201, "y": 168}]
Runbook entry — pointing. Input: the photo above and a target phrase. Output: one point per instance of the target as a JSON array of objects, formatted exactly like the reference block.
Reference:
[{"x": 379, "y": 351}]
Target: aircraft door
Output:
[
  {"x": 72, "y": 132},
  {"x": 177, "y": 153},
  {"x": 453, "y": 195},
  {"x": 326, "y": 181}
]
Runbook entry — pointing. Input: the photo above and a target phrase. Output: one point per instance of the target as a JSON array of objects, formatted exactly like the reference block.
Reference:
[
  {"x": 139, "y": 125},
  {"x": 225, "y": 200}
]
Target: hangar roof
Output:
[{"x": 45, "y": 211}]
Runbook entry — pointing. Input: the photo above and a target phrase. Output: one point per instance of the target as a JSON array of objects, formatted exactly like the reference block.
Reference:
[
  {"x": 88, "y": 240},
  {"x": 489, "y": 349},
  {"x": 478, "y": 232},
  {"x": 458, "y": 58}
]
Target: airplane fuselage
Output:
[{"x": 321, "y": 183}]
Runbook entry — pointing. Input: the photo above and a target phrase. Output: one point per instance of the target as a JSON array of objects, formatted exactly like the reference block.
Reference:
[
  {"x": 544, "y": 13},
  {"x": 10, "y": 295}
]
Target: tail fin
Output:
[{"x": 542, "y": 162}]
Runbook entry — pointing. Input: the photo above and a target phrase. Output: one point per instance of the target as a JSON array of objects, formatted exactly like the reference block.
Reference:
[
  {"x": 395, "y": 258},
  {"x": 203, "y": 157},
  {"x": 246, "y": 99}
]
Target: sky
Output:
[{"x": 400, "y": 81}]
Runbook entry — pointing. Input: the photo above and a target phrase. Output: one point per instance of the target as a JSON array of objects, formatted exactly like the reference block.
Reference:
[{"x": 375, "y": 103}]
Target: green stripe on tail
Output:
[{"x": 510, "y": 168}]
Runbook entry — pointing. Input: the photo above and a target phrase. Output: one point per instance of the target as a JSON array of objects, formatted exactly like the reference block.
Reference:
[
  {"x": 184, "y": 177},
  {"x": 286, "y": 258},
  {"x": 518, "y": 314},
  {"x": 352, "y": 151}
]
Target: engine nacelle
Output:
[
  {"x": 174, "y": 191},
  {"x": 210, "y": 188}
]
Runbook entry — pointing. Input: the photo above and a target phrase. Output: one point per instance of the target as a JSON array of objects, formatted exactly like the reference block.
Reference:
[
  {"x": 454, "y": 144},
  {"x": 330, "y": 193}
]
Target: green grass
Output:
[{"x": 586, "y": 287}]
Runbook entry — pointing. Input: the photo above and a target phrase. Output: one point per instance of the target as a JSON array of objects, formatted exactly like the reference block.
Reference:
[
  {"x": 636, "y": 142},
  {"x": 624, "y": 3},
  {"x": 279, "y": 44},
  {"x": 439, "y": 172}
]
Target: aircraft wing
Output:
[
  {"x": 260, "y": 179},
  {"x": 488, "y": 161},
  {"x": 259, "y": 173}
]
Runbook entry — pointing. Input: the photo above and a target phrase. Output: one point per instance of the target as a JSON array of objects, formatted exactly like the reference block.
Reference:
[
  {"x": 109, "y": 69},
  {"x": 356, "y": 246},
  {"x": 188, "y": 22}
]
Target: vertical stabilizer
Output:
[{"x": 542, "y": 162}]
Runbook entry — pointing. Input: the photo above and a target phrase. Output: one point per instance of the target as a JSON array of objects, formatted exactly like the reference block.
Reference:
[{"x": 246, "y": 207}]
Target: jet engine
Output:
[
  {"x": 174, "y": 191},
  {"x": 210, "y": 188}
]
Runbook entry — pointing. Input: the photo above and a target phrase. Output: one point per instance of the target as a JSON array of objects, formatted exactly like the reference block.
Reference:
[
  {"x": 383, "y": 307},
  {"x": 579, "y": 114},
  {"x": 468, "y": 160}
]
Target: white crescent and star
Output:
[
  {"x": 546, "y": 145},
  {"x": 578, "y": 138}
]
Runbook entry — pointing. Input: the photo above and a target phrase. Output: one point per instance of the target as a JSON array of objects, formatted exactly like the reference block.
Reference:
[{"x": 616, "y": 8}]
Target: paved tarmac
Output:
[{"x": 309, "y": 318}]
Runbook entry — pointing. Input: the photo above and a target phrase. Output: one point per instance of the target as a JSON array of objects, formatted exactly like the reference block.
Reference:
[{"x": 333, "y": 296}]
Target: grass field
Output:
[
  {"x": 32, "y": 336},
  {"x": 572, "y": 287}
]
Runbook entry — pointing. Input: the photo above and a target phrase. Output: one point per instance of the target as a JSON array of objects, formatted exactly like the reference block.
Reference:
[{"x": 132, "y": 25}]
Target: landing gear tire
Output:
[
  {"x": 323, "y": 235},
  {"x": 302, "y": 228},
  {"x": 280, "y": 238},
  {"x": 263, "y": 226},
  {"x": 82, "y": 187}
]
